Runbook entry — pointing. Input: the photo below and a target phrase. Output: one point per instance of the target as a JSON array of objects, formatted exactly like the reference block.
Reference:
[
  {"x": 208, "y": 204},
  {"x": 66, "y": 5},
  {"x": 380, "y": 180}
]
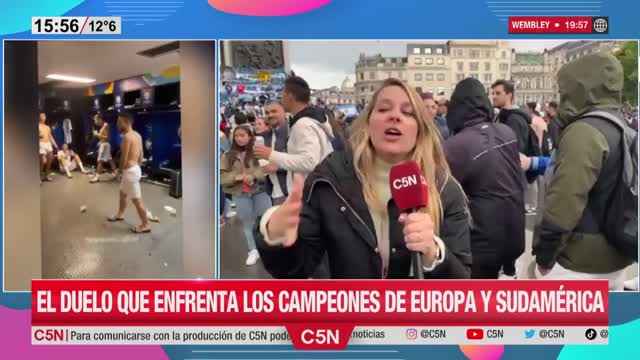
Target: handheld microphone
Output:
[{"x": 410, "y": 192}]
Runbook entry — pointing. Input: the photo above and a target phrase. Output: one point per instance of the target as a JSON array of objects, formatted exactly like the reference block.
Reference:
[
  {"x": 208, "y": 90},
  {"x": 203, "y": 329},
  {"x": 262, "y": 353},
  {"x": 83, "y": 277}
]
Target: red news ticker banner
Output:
[
  {"x": 296, "y": 302},
  {"x": 550, "y": 25}
]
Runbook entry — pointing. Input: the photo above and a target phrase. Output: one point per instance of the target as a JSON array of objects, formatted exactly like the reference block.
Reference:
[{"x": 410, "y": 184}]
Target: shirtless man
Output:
[
  {"x": 69, "y": 161},
  {"x": 104, "y": 149},
  {"x": 47, "y": 143},
  {"x": 130, "y": 160}
]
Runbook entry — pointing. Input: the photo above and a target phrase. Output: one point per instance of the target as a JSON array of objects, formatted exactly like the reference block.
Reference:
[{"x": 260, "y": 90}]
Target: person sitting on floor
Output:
[{"x": 69, "y": 161}]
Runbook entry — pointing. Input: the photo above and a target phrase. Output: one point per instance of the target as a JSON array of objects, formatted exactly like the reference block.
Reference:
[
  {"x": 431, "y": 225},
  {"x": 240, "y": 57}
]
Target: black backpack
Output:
[{"x": 621, "y": 218}]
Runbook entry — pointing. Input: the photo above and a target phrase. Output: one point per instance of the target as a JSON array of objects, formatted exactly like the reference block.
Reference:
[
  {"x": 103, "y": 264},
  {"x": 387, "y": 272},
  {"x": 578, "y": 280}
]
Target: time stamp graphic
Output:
[{"x": 80, "y": 25}]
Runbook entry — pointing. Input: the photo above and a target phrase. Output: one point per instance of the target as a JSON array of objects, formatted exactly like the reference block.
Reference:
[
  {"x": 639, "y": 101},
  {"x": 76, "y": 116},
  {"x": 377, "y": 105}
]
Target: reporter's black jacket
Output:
[{"x": 336, "y": 220}]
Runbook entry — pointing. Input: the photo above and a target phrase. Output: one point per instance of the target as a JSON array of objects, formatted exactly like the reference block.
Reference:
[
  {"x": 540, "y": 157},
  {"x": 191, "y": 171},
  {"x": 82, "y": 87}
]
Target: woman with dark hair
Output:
[
  {"x": 240, "y": 176},
  {"x": 338, "y": 132}
]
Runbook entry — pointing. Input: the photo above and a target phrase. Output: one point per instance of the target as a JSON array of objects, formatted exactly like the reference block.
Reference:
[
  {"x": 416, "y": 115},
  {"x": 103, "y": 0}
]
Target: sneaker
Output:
[
  {"x": 49, "y": 178},
  {"x": 94, "y": 179},
  {"x": 631, "y": 284},
  {"x": 253, "y": 257}
]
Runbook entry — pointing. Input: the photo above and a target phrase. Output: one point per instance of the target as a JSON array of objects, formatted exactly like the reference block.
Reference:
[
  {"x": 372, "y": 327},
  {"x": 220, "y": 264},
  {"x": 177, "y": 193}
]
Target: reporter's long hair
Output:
[{"x": 428, "y": 153}]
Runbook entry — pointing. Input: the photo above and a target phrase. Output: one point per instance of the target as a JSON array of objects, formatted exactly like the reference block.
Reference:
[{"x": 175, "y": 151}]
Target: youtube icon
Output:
[{"x": 475, "y": 334}]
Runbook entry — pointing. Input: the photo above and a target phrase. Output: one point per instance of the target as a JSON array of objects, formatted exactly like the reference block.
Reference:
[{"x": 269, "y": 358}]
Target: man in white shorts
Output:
[
  {"x": 69, "y": 161},
  {"x": 130, "y": 160},
  {"x": 47, "y": 143},
  {"x": 104, "y": 151}
]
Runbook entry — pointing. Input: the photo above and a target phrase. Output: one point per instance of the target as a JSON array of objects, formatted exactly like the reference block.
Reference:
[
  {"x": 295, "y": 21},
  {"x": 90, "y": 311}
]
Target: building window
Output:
[
  {"x": 503, "y": 76},
  {"x": 473, "y": 66},
  {"x": 460, "y": 52},
  {"x": 429, "y": 77},
  {"x": 429, "y": 61},
  {"x": 441, "y": 61},
  {"x": 504, "y": 54},
  {"x": 440, "y": 77},
  {"x": 427, "y": 50},
  {"x": 371, "y": 88},
  {"x": 419, "y": 90},
  {"x": 372, "y": 75},
  {"x": 459, "y": 77},
  {"x": 474, "y": 54},
  {"x": 538, "y": 83},
  {"x": 460, "y": 66},
  {"x": 487, "y": 54},
  {"x": 362, "y": 76},
  {"x": 487, "y": 78},
  {"x": 418, "y": 61},
  {"x": 439, "y": 51},
  {"x": 416, "y": 50},
  {"x": 440, "y": 91},
  {"x": 363, "y": 89},
  {"x": 504, "y": 67},
  {"x": 487, "y": 66},
  {"x": 418, "y": 77},
  {"x": 473, "y": 75}
]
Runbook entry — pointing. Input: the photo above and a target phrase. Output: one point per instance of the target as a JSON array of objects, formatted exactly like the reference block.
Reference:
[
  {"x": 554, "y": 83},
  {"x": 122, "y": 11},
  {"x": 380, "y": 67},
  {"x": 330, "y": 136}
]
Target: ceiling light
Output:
[{"x": 70, "y": 78}]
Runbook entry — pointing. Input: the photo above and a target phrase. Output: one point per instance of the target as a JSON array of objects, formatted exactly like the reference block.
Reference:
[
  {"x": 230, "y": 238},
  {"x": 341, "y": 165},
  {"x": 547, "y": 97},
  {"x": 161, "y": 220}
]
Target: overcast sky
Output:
[{"x": 327, "y": 63}]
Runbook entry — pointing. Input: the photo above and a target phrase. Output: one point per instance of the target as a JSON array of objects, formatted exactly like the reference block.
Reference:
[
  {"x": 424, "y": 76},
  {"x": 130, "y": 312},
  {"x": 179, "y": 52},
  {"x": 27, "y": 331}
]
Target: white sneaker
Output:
[
  {"x": 631, "y": 284},
  {"x": 253, "y": 257}
]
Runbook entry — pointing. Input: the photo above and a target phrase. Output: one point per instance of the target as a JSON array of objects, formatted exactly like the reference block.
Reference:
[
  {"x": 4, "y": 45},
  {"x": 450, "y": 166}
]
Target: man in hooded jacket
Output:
[
  {"x": 568, "y": 240},
  {"x": 483, "y": 156}
]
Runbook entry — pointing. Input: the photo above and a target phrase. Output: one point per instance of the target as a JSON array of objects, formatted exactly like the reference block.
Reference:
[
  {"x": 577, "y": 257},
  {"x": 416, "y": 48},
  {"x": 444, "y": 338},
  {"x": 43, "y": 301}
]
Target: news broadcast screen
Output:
[{"x": 320, "y": 179}]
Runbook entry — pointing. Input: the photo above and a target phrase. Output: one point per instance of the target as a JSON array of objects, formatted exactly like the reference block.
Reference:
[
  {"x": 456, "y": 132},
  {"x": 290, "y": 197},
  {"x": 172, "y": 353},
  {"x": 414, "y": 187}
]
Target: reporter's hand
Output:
[
  {"x": 262, "y": 152},
  {"x": 248, "y": 179},
  {"x": 419, "y": 235},
  {"x": 239, "y": 177},
  {"x": 284, "y": 221},
  {"x": 525, "y": 162}
]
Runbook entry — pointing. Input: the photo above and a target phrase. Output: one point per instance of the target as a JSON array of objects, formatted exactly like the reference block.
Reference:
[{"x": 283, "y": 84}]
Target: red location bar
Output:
[
  {"x": 291, "y": 302},
  {"x": 550, "y": 25}
]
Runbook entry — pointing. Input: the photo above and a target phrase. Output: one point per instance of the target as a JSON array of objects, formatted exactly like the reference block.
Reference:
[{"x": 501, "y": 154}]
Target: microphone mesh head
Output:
[{"x": 408, "y": 186}]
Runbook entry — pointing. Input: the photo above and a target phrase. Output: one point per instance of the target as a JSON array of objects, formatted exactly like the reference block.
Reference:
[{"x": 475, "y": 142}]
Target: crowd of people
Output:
[{"x": 312, "y": 191}]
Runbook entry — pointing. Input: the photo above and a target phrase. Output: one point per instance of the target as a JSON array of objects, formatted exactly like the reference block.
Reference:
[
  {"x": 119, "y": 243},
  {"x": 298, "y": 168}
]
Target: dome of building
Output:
[{"x": 347, "y": 84}]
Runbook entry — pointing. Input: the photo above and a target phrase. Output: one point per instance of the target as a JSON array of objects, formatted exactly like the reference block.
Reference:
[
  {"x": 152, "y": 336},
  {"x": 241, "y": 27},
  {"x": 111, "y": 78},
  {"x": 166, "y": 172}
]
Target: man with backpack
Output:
[{"x": 588, "y": 226}]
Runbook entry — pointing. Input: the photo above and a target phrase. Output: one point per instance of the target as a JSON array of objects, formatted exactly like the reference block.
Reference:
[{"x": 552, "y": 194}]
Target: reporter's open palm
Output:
[{"x": 284, "y": 221}]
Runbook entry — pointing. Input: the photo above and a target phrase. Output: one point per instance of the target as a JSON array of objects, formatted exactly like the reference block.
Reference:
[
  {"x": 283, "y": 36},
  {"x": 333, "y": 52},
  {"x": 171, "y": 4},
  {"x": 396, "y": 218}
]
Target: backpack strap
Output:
[{"x": 605, "y": 115}]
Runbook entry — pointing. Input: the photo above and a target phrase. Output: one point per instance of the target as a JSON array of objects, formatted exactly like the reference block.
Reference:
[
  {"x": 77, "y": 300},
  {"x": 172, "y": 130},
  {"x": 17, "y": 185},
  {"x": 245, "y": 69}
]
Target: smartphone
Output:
[{"x": 259, "y": 140}]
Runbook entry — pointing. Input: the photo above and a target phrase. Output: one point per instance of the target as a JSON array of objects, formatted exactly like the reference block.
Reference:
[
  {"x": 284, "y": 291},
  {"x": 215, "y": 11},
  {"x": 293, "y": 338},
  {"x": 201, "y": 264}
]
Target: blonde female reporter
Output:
[{"x": 344, "y": 208}]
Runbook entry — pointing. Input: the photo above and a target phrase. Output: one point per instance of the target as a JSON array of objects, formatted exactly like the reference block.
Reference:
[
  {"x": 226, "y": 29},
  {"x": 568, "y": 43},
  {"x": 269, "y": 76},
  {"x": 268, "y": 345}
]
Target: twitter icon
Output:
[{"x": 529, "y": 333}]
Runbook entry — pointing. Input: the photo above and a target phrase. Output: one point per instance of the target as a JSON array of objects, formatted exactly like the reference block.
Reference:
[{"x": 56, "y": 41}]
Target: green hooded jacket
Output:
[{"x": 583, "y": 170}]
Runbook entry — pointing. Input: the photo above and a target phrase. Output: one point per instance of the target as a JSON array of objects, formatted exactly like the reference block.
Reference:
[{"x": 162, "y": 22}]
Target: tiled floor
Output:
[{"x": 78, "y": 245}]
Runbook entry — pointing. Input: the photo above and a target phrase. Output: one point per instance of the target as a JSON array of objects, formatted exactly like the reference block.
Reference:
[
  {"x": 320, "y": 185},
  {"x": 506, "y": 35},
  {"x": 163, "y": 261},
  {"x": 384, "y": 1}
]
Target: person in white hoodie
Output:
[
  {"x": 310, "y": 136},
  {"x": 310, "y": 133}
]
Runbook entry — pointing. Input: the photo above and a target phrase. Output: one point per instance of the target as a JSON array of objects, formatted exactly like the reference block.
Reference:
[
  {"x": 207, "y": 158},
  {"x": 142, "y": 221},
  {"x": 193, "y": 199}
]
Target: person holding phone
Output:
[{"x": 240, "y": 176}]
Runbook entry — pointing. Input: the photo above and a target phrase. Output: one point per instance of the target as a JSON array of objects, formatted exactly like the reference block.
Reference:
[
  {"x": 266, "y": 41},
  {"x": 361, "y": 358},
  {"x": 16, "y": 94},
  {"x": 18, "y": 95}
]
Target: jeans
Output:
[
  {"x": 223, "y": 198},
  {"x": 249, "y": 208}
]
